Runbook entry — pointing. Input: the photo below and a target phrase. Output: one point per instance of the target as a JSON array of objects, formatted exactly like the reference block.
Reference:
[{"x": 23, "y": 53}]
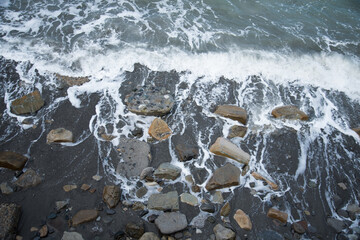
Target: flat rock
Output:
[
  {"x": 189, "y": 199},
  {"x": 276, "y": 214},
  {"x": 186, "y": 152},
  {"x": 237, "y": 131},
  {"x": 72, "y": 236},
  {"x": 243, "y": 220},
  {"x": 336, "y": 224},
  {"x": 225, "y": 176},
  {"x": 171, "y": 222},
  {"x": 28, "y": 179},
  {"x": 12, "y": 160},
  {"x": 159, "y": 129},
  {"x": 167, "y": 171},
  {"x": 111, "y": 195},
  {"x": 59, "y": 135},
  {"x": 150, "y": 101},
  {"x": 135, "y": 155},
  {"x": 72, "y": 81},
  {"x": 224, "y": 147},
  {"x": 166, "y": 201},
  {"x": 83, "y": 216},
  {"x": 225, "y": 210},
  {"x": 222, "y": 233},
  {"x": 149, "y": 236},
  {"x": 232, "y": 112},
  {"x": 30, "y": 103},
  {"x": 9, "y": 218},
  {"x": 258, "y": 176},
  {"x": 289, "y": 112}
]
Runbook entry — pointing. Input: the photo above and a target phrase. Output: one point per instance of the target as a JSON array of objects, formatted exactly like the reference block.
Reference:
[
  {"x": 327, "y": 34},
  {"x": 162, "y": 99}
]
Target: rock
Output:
[
  {"x": 12, "y": 160},
  {"x": 186, "y": 152},
  {"x": 72, "y": 236},
  {"x": 68, "y": 188},
  {"x": 171, "y": 222},
  {"x": 97, "y": 177},
  {"x": 342, "y": 186},
  {"x": 336, "y": 224},
  {"x": 135, "y": 155},
  {"x": 159, "y": 129},
  {"x": 83, "y": 216},
  {"x": 72, "y": 81},
  {"x": 61, "y": 204},
  {"x": 222, "y": 233},
  {"x": 343, "y": 213},
  {"x": 110, "y": 212},
  {"x": 243, "y": 220},
  {"x": 232, "y": 112},
  {"x": 43, "y": 231},
  {"x": 149, "y": 236},
  {"x": 85, "y": 187},
  {"x": 138, "y": 206},
  {"x": 52, "y": 216},
  {"x": 9, "y": 218},
  {"x": 152, "y": 218},
  {"x": 195, "y": 188},
  {"x": 270, "y": 183},
  {"x": 218, "y": 198},
  {"x": 5, "y": 188},
  {"x": 189, "y": 199},
  {"x": 167, "y": 171},
  {"x": 167, "y": 201},
  {"x": 28, "y": 179},
  {"x": 353, "y": 208},
  {"x": 276, "y": 214},
  {"x": 111, "y": 195},
  {"x": 141, "y": 192},
  {"x": 134, "y": 230},
  {"x": 30, "y": 103},
  {"x": 207, "y": 207},
  {"x": 357, "y": 130},
  {"x": 298, "y": 227},
  {"x": 120, "y": 235},
  {"x": 107, "y": 137},
  {"x": 147, "y": 174},
  {"x": 226, "y": 176},
  {"x": 225, "y": 148},
  {"x": 237, "y": 131},
  {"x": 225, "y": 210},
  {"x": 289, "y": 112},
  {"x": 149, "y": 101},
  {"x": 59, "y": 135}
]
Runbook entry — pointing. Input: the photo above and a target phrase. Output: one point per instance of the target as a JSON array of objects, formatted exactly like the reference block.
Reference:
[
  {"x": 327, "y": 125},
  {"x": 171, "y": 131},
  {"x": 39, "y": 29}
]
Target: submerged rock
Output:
[
  {"x": 225, "y": 148},
  {"x": 12, "y": 160},
  {"x": 232, "y": 112},
  {"x": 276, "y": 214},
  {"x": 59, "y": 135},
  {"x": 171, "y": 222},
  {"x": 166, "y": 201},
  {"x": 222, "y": 233},
  {"x": 72, "y": 236},
  {"x": 226, "y": 176},
  {"x": 9, "y": 218},
  {"x": 111, "y": 195},
  {"x": 243, "y": 220},
  {"x": 167, "y": 171},
  {"x": 237, "y": 131},
  {"x": 30, "y": 103},
  {"x": 83, "y": 216},
  {"x": 72, "y": 81},
  {"x": 270, "y": 183},
  {"x": 159, "y": 130},
  {"x": 186, "y": 152},
  {"x": 289, "y": 112},
  {"x": 28, "y": 179}
]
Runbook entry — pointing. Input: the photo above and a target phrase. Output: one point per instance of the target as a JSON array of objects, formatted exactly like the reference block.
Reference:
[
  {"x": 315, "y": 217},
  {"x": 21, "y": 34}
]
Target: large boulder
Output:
[
  {"x": 225, "y": 176},
  {"x": 167, "y": 201},
  {"x": 223, "y": 233},
  {"x": 30, "y": 103},
  {"x": 232, "y": 112},
  {"x": 171, "y": 222},
  {"x": 289, "y": 112},
  {"x": 159, "y": 129},
  {"x": 224, "y": 147},
  {"x": 12, "y": 160},
  {"x": 9, "y": 218},
  {"x": 28, "y": 179},
  {"x": 111, "y": 195},
  {"x": 167, "y": 171},
  {"x": 59, "y": 135},
  {"x": 83, "y": 216}
]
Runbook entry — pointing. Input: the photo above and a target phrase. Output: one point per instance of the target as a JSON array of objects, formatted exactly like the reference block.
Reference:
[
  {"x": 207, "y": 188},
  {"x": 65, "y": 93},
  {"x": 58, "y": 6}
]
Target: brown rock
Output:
[
  {"x": 357, "y": 130},
  {"x": 186, "y": 151},
  {"x": 83, "y": 216},
  {"x": 30, "y": 103},
  {"x": 28, "y": 179},
  {"x": 85, "y": 187},
  {"x": 68, "y": 188},
  {"x": 72, "y": 81},
  {"x": 223, "y": 177},
  {"x": 111, "y": 195},
  {"x": 159, "y": 129},
  {"x": 12, "y": 160},
  {"x": 237, "y": 131},
  {"x": 232, "y": 112},
  {"x": 276, "y": 214},
  {"x": 9, "y": 218},
  {"x": 260, "y": 177},
  {"x": 225, "y": 148},
  {"x": 59, "y": 135},
  {"x": 107, "y": 137},
  {"x": 43, "y": 231},
  {"x": 243, "y": 220},
  {"x": 225, "y": 210},
  {"x": 289, "y": 112}
]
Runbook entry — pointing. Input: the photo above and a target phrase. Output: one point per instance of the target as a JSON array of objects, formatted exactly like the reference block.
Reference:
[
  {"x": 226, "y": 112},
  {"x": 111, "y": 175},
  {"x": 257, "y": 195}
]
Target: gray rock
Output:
[
  {"x": 9, "y": 218},
  {"x": 167, "y": 171},
  {"x": 28, "y": 179},
  {"x": 30, "y": 103},
  {"x": 298, "y": 228},
  {"x": 189, "y": 199},
  {"x": 135, "y": 230},
  {"x": 12, "y": 160},
  {"x": 269, "y": 235},
  {"x": 141, "y": 192},
  {"x": 167, "y": 201},
  {"x": 336, "y": 224},
  {"x": 59, "y": 135},
  {"x": 72, "y": 81},
  {"x": 72, "y": 236},
  {"x": 135, "y": 155},
  {"x": 61, "y": 204},
  {"x": 5, "y": 188},
  {"x": 343, "y": 213},
  {"x": 207, "y": 207},
  {"x": 171, "y": 222},
  {"x": 186, "y": 152},
  {"x": 147, "y": 173},
  {"x": 223, "y": 177},
  {"x": 218, "y": 198},
  {"x": 222, "y": 233},
  {"x": 237, "y": 131},
  {"x": 353, "y": 208},
  {"x": 149, "y": 236},
  {"x": 224, "y": 147}
]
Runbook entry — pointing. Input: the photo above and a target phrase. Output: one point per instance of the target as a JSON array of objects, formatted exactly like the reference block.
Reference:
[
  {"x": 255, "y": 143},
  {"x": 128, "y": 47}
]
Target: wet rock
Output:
[
  {"x": 270, "y": 235},
  {"x": 342, "y": 186},
  {"x": 289, "y": 112},
  {"x": 43, "y": 231},
  {"x": 207, "y": 207},
  {"x": 138, "y": 206},
  {"x": 237, "y": 131},
  {"x": 30, "y": 103},
  {"x": 232, "y": 112},
  {"x": 189, "y": 199},
  {"x": 223, "y": 177},
  {"x": 72, "y": 236},
  {"x": 72, "y": 81},
  {"x": 152, "y": 218},
  {"x": 134, "y": 230},
  {"x": 97, "y": 177},
  {"x": 217, "y": 197},
  {"x": 353, "y": 209},
  {"x": 85, "y": 187},
  {"x": 149, "y": 101},
  {"x": 68, "y": 188},
  {"x": 141, "y": 192},
  {"x": 83, "y": 216},
  {"x": 12, "y": 160},
  {"x": 59, "y": 135},
  {"x": 222, "y": 233},
  {"x": 111, "y": 195},
  {"x": 195, "y": 188},
  {"x": 243, "y": 220},
  {"x": 5, "y": 188},
  {"x": 167, "y": 171},
  {"x": 52, "y": 216},
  {"x": 167, "y": 201},
  {"x": 225, "y": 210},
  {"x": 270, "y": 183},
  {"x": 61, "y": 204},
  {"x": 276, "y": 214},
  {"x": 298, "y": 228},
  {"x": 9, "y": 218},
  {"x": 186, "y": 152},
  {"x": 28, "y": 179},
  {"x": 147, "y": 173},
  {"x": 343, "y": 213},
  {"x": 149, "y": 236},
  {"x": 159, "y": 129},
  {"x": 119, "y": 235},
  {"x": 107, "y": 137},
  {"x": 171, "y": 222},
  {"x": 225, "y": 148},
  {"x": 357, "y": 130},
  {"x": 110, "y": 212},
  {"x": 336, "y": 224}
]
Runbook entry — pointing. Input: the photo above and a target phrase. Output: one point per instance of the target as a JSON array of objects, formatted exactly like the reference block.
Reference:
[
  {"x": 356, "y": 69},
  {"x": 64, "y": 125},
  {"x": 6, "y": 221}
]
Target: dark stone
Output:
[
  {"x": 186, "y": 152},
  {"x": 211, "y": 219},
  {"x": 119, "y": 235},
  {"x": 298, "y": 228},
  {"x": 134, "y": 230},
  {"x": 171, "y": 222},
  {"x": 252, "y": 184},
  {"x": 207, "y": 207},
  {"x": 343, "y": 213},
  {"x": 269, "y": 235},
  {"x": 141, "y": 192},
  {"x": 237, "y": 131},
  {"x": 336, "y": 224},
  {"x": 199, "y": 175},
  {"x": 30, "y": 103},
  {"x": 226, "y": 176},
  {"x": 152, "y": 218},
  {"x": 52, "y": 216},
  {"x": 143, "y": 212},
  {"x": 12, "y": 160},
  {"x": 9, "y": 218},
  {"x": 110, "y": 212}
]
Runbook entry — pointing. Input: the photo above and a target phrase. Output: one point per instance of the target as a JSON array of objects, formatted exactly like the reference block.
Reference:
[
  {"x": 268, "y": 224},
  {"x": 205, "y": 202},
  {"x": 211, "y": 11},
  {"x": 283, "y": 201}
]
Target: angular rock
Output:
[
  {"x": 61, "y": 204},
  {"x": 134, "y": 230},
  {"x": 189, "y": 199},
  {"x": 83, "y": 216},
  {"x": 135, "y": 155},
  {"x": 43, "y": 231},
  {"x": 232, "y": 112},
  {"x": 147, "y": 173},
  {"x": 9, "y": 218},
  {"x": 149, "y": 101},
  {"x": 186, "y": 152},
  {"x": 171, "y": 222},
  {"x": 85, "y": 187},
  {"x": 353, "y": 208},
  {"x": 276, "y": 214},
  {"x": 237, "y": 131},
  {"x": 72, "y": 81},
  {"x": 30, "y": 103},
  {"x": 12, "y": 160},
  {"x": 207, "y": 207},
  {"x": 5, "y": 188},
  {"x": 336, "y": 224},
  {"x": 243, "y": 220},
  {"x": 225, "y": 210},
  {"x": 72, "y": 236},
  {"x": 149, "y": 236},
  {"x": 59, "y": 135},
  {"x": 298, "y": 227},
  {"x": 111, "y": 195},
  {"x": 167, "y": 201},
  {"x": 107, "y": 137},
  {"x": 289, "y": 112},
  {"x": 225, "y": 176},
  {"x": 28, "y": 179},
  {"x": 167, "y": 171},
  {"x": 218, "y": 198},
  {"x": 159, "y": 129},
  {"x": 141, "y": 192},
  {"x": 222, "y": 233},
  {"x": 270, "y": 183},
  {"x": 68, "y": 188},
  {"x": 225, "y": 148}
]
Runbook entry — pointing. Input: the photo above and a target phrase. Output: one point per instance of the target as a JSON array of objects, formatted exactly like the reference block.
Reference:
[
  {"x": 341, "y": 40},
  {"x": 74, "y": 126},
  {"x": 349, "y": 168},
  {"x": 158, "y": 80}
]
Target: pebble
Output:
[
  {"x": 110, "y": 212},
  {"x": 97, "y": 177},
  {"x": 52, "y": 216},
  {"x": 152, "y": 218}
]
